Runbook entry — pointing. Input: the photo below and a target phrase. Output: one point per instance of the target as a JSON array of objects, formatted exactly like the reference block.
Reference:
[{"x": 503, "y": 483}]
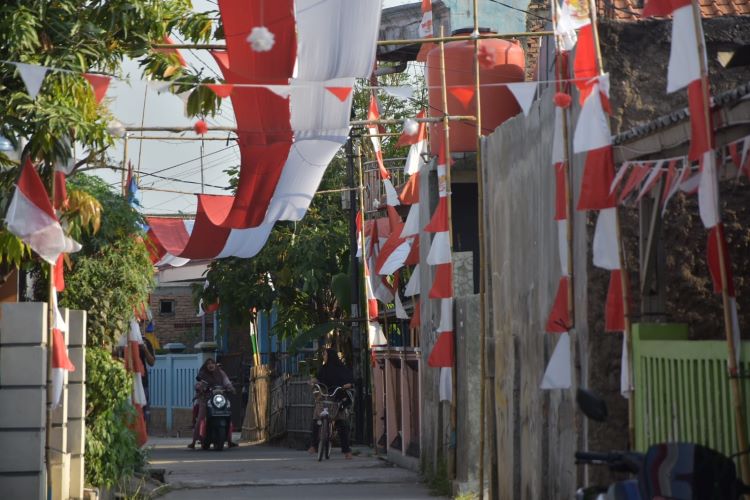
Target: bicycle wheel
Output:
[
  {"x": 329, "y": 443},
  {"x": 324, "y": 437}
]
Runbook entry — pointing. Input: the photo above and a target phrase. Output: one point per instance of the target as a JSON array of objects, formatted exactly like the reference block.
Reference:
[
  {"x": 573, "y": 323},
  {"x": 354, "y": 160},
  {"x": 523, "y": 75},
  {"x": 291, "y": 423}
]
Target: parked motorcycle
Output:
[
  {"x": 218, "y": 418},
  {"x": 679, "y": 471}
]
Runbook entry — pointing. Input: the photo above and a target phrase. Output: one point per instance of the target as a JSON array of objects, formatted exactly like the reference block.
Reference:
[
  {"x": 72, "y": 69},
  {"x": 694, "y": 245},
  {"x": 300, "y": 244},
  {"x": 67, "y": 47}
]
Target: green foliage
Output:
[{"x": 111, "y": 450}]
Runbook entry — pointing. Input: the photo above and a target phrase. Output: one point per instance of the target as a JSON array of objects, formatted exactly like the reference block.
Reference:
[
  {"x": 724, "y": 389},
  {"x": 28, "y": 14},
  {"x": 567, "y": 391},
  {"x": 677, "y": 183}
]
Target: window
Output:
[{"x": 166, "y": 307}]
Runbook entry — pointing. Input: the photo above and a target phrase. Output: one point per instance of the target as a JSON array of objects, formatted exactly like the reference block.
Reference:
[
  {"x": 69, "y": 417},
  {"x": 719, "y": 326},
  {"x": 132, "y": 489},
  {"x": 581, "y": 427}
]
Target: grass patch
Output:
[{"x": 437, "y": 479}]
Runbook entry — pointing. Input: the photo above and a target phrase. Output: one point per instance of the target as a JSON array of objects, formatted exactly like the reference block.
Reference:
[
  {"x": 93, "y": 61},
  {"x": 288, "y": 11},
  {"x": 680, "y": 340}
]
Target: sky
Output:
[{"x": 133, "y": 103}]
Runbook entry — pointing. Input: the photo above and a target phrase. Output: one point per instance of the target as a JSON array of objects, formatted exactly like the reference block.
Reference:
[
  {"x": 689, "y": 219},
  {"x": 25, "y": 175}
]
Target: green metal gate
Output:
[{"x": 682, "y": 390}]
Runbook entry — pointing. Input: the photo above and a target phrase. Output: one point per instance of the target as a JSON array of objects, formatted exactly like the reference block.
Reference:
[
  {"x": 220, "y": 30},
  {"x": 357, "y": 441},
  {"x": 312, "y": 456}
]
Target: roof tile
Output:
[{"x": 628, "y": 10}]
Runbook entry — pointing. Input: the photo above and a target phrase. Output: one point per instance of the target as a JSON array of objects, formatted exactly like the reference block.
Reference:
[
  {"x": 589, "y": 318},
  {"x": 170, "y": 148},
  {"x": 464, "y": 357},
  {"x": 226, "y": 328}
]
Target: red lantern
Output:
[
  {"x": 562, "y": 100},
  {"x": 200, "y": 127}
]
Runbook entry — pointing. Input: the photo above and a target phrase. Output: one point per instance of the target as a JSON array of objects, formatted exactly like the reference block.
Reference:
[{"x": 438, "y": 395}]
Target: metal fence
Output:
[
  {"x": 682, "y": 390},
  {"x": 172, "y": 382}
]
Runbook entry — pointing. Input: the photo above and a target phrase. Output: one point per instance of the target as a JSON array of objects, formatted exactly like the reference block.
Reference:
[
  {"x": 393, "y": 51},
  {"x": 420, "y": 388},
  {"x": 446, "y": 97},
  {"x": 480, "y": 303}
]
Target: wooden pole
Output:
[
  {"x": 624, "y": 281},
  {"x": 50, "y": 347},
  {"x": 482, "y": 285},
  {"x": 447, "y": 149},
  {"x": 734, "y": 381},
  {"x": 124, "y": 164}
]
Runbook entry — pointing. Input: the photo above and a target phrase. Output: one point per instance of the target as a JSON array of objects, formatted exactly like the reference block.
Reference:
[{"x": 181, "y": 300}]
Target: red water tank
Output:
[{"x": 502, "y": 61}]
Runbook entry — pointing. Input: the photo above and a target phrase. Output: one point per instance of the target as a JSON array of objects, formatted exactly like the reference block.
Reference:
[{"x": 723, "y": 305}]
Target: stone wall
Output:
[{"x": 182, "y": 325}]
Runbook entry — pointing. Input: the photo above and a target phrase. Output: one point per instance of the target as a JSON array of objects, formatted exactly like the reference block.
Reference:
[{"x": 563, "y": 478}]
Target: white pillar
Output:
[
  {"x": 23, "y": 399},
  {"x": 58, "y": 437},
  {"x": 77, "y": 400}
]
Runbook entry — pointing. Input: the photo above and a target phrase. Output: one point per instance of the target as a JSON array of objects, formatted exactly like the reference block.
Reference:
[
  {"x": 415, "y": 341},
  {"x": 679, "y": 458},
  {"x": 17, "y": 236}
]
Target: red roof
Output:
[{"x": 625, "y": 10}]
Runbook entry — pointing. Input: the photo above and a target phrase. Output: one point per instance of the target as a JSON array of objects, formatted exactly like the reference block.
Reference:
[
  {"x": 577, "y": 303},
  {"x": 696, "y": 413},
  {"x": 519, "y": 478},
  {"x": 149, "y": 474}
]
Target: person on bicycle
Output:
[{"x": 333, "y": 374}]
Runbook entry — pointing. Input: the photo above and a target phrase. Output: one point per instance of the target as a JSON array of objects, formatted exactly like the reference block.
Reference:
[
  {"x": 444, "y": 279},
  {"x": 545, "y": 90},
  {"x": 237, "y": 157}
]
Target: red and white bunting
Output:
[
  {"x": 60, "y": 360},
  {"x": 425, "y": 30},
  {"x": 559, "y": 371}
]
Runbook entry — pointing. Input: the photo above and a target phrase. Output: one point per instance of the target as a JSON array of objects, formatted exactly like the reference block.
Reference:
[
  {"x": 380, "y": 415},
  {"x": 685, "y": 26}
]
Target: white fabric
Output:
[
  {"x": 675, "y": 185},
  {"x": 605, "y": 248},
  {"x": 425, "y": 26},
  {"x": 58, "y": 321},
  {"x": 440, "y": 250},
  {"x": 400, "y": 311},
  {"x": 690, "y": 185},
  {"x": 413, "y": 286},
  {"x": 626, "y": 383},
  {"x": 280, "y": 90},
  {"x": 134, "y": 334},
  {"x": 139, "y": 395},
  {"x": 336, "y": 38},
  {"x": 618, "y": 176},
  {"x": 708, "y": 191},
  {"x": 565, "y": 28},
  {"x": 171, "y": 260},
  {"x": 411, "y": 226},
  {"x": 653, "y": 176},
  {"x": 382, "y": 292},
  {"x": 315, "y": 111},
  {"x": 58, "y": 380},
  {"x": 524, "y": 94},
  {"x": 32, "y": 76},
  {"x": 36, "y": 228},
  {"x": 442, "y": 181},
  {"x": 735, "y": 330},
  {"x": 684, "y": 65},
  {"x": 592, "y": 129},
  {"x": 562, "y": 244},
  {"x": 446, "y": 316},
  {"x": 558, "y": 141},
  {"x": 391, "y": 196},
  {"x": 246, "y": 243},
  {"x": 446, "y": 385},
  {"x": 414, "y": 158},
  {"x": 403, "y": 92},
  {"x": 396, "y": 259},
  {"x": 301, "y": 176},
  {"x": 558, "y": 374},
  {"x": 375, "y": 334}
]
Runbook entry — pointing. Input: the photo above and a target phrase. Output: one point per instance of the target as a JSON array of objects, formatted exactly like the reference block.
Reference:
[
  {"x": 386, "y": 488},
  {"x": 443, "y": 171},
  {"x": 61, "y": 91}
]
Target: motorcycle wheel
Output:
[
  {"x": 218, "y": 436},
  {"x": 324, "y": 438}
]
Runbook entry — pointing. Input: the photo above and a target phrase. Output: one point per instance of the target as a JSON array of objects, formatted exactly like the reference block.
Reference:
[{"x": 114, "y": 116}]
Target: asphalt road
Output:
[{"x": 267, "y": 472}]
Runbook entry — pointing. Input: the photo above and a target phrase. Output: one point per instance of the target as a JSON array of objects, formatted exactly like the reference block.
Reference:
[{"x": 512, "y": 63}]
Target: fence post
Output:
[
  {"x": 169, "y": 393},
  {"x": 58, "y": 438},
  {"x": 77, "y": 401}
]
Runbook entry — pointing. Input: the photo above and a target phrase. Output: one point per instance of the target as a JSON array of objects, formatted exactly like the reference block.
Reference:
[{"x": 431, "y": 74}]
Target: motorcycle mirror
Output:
[{"x": 591, "y": 405}]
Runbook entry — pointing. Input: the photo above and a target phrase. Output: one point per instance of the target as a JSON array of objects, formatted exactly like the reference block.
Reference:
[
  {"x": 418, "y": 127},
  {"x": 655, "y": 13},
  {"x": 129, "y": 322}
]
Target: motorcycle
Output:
[
  {"x": 218, "y": 418},
  {"x": 679, "y": 471}
]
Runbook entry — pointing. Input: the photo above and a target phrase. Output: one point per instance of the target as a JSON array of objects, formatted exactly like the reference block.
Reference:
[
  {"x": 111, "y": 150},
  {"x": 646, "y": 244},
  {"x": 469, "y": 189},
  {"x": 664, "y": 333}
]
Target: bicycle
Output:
[{"x": 330, "y": 411}]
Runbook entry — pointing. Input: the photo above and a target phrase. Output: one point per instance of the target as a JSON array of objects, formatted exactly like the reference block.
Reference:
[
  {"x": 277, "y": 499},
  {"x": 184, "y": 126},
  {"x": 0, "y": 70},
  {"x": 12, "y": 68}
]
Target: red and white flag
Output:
[
  {"x": 60, "y": 360},
  {"x": 425, "y": 30},
  {"x": 373, "y": 113},
  {"x": 31, "y": 217}
]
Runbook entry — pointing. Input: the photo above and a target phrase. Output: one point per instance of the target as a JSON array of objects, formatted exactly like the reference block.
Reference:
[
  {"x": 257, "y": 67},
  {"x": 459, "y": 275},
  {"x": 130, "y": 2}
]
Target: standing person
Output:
[
  {"x": 146, "y": 352},
  {"x": 209, "y": 375},
  {"x": 333, "y": 374}
]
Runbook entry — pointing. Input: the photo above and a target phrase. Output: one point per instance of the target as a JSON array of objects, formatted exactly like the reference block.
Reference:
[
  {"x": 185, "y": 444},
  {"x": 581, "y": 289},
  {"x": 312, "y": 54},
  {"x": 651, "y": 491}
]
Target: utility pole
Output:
[{"x": 357, "y": 355}]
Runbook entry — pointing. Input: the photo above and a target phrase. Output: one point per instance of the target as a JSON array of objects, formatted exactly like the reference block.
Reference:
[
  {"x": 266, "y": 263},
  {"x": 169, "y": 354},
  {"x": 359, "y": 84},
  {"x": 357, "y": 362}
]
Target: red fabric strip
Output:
[
  {"x": 410, "y": 192},
  {"x": 464, "y": 95},
  {"x": 584, "y": 65},
  {"x": 701, "y": 133},
  {"x": 416, "y": 317},
  {"x": 221, "y": 90},
  {"x": 598, "y": 173},
  {"x": 442, "y": 285},
  {"x": 614, "y": 315},
  {"x": 99, "y": 84},
  {"x": 58, "y": 277},
  {"x": 32, "y": 187},
  {"x": 61, "y": 191},
  {"x": 558, "y": 320},
  {"x": 712, "y": 256},
  {"x": 637, "y": 174},
  {"x": 662, "y": 8},
  {"x": 342, "y": 93},
  {"x": 413, "y": 258},
  {"x": 439, "y": 221},
  {"x": 443, "y": 352}
]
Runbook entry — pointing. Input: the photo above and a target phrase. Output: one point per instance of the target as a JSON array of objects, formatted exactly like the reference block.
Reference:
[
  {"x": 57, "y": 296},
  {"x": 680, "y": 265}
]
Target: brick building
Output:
[{"x": 174, "y": 309}]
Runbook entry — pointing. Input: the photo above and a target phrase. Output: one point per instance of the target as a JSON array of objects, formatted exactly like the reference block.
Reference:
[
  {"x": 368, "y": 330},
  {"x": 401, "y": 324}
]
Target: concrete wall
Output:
[
  {"x": 536, "y": 433},
  {"x": 182, "y": 325}
]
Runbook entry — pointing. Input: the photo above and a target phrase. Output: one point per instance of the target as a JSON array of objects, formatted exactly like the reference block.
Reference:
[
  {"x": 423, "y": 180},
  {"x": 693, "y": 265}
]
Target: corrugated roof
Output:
[
  {"x": 629, "y": 10},
  {"x": 723, "y": 99}
]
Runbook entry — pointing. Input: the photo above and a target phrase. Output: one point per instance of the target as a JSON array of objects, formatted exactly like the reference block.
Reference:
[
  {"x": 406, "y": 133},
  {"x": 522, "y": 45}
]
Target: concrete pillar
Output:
[
  {"x": 76, "y": 400},
  {"x": 23, "y": 398},
  {"x": 58, "y": 436}
]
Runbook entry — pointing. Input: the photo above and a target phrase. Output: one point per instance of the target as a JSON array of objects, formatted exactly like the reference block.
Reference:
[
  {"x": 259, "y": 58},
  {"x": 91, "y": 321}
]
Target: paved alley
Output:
[{"x": 276, "y": 473}]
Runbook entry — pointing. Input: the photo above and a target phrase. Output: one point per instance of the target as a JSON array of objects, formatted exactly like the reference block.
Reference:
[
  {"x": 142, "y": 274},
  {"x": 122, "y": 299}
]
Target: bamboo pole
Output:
[
  {"x": 482, "y": 285},
  {"x": 407, "y": 41},
  {"x": 624, "y": 281},
  {"x": 124, "y": 164},
  {"x": 50, "y": 348},
  {"x": 734, "y": 381},
  {"x": 447, "y": 149}
]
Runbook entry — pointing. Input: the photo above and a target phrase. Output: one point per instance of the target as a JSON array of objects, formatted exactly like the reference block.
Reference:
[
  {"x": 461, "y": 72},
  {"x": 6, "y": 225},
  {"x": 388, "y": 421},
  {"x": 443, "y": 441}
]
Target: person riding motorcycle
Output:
[
  {"x": 333, "y": 374},
  {"x": 209, "y": 375}
]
